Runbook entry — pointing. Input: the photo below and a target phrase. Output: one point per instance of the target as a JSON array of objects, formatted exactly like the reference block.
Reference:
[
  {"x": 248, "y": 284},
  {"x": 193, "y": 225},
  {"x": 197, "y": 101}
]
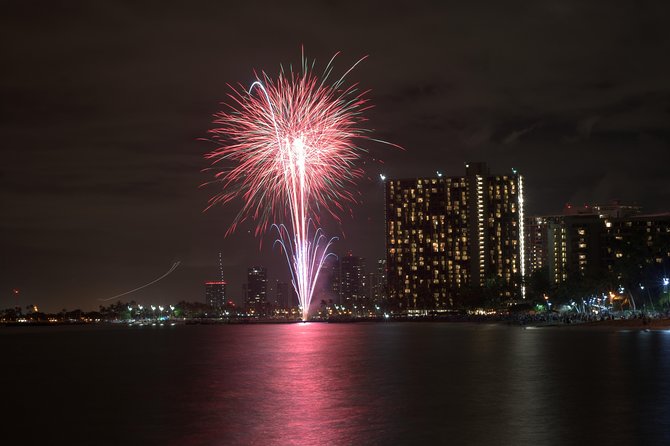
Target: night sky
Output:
[{"x": 103, "y": 105}]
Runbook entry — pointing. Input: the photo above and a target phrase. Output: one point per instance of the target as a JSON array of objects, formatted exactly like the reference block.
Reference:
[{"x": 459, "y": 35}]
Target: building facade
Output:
[
  {"x": 637, "y": 243},
  {"x": 597, "y": 241},
  {"x": 284, "y": 296},
  {"x": 256, "y": 289},
  {"x": 446, "y": 233},
  {"x": 537, "y": 244},
  {"x": 376, "y": 283},
  {"x": 352, "y": 283},
  {"x": 215, "y": 295},
  {"x": 565, "y": 246}
]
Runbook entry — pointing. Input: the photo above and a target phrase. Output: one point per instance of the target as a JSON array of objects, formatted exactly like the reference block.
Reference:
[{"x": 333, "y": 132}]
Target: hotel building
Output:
[
  {"x": 641, "y": 239},
  {"x": 592, "y": 241},
  {"x": 445, "y": 233}
]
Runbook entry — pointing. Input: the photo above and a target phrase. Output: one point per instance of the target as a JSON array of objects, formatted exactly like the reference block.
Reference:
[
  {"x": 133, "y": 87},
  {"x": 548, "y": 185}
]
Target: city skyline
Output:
[
  {"x": 598, "y": 217},
  {"x": 104, "y": 109},
  {"x": 335, "y": 223}
]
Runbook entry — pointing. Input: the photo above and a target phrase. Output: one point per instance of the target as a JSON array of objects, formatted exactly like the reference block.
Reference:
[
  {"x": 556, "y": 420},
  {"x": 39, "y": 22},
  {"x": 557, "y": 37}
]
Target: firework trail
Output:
[
  {"x": 291, "y": 144},
  {"x": 174, "y": 266}
]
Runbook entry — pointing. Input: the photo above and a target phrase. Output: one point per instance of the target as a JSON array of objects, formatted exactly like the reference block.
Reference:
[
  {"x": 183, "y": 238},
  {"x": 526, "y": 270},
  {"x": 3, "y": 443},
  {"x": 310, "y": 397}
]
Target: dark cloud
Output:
[{"x": 104, "y": 102}]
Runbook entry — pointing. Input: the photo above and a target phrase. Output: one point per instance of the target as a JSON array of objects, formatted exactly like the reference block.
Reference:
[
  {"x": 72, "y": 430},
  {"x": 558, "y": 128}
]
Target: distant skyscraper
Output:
[
  {"x": 376, "y": 284},
  {"x": 256, "y": 289},
  {"x": 444, "y": 233},
  {"x": 284, "y": 296},
  {"x": 333, "y": 279},
  {"x": 215, "y": 295},
  {"x": 352, "y": 282}
]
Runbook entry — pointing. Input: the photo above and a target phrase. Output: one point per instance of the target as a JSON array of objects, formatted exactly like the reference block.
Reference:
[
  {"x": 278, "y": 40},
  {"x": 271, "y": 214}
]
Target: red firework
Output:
[
  {"x": 259, "y": 133},
  {"x": 291, "y": 145}
]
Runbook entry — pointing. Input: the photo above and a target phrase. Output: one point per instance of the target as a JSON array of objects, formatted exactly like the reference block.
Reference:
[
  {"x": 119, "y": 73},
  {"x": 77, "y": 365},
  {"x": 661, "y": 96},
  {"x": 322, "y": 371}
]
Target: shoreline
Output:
[
  {"x": 628, "y": 324},
  {"x": 660, "y": 324}
]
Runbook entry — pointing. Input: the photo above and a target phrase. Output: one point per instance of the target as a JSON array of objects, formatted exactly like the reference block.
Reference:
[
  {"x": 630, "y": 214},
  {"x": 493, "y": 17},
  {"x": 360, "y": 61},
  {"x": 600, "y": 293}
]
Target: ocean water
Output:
[{"x": 334, "y": 384}]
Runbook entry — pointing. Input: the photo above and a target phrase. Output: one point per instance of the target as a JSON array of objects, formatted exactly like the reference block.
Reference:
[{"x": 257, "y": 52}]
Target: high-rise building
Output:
[
  {"x": 557, "y": 247},
  {"x": 583, "y": 236},
  {"x": 333, "y": 279},
  {"x": 637, "y": 241},
  {"x": 444, "y": 233},
  {"x": 215, "y": 295},
  {"x": 566, "y": 246},
  {"x": 376, "y": 283},
  {"x": 585, "y": 240},
  {"x": 256, "y": 289},
  {"x": 352, "y": 285},
  {"x": 537, "y": 245},
  {"x": 284, "y": 296}
]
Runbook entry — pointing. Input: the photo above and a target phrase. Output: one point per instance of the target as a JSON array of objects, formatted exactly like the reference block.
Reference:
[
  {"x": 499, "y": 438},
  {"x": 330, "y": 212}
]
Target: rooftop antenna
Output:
[{"x": 221, "y": 265}]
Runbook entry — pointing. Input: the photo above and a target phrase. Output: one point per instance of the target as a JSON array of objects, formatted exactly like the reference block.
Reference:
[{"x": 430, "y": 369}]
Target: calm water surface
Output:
[{"x": 334, "y": 384}]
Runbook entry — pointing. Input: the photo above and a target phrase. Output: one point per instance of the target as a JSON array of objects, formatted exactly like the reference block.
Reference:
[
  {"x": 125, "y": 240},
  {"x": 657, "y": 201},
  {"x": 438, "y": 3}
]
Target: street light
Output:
[
  {"x": 651, "y": 302},
  {"x": 666, "y": 282}
]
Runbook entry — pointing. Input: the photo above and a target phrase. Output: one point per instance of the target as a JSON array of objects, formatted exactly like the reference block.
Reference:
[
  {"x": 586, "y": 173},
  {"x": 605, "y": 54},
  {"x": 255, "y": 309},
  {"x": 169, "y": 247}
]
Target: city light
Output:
[
  {"x": 382, "y": 177},
  {"x": 522, "y": 237},
  {"x": 480, "y": 226},
  {"x": 666, "y": 281}
]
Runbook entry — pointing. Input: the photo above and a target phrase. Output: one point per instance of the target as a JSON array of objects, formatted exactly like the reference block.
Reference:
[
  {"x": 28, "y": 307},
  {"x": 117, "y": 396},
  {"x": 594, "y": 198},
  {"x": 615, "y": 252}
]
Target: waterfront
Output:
[{"x": 365, "y": 383}]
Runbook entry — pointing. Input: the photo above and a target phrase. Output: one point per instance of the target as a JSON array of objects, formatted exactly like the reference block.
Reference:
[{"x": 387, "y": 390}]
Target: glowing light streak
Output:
[
  {"x": 174, "y": 266},
  {"x": 522, "y": 238},
  {"x": 290, "y": 142}
]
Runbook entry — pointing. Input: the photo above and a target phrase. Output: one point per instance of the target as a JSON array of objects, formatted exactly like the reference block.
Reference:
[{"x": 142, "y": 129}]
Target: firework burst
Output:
[{"x": 287, "y": 148}]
